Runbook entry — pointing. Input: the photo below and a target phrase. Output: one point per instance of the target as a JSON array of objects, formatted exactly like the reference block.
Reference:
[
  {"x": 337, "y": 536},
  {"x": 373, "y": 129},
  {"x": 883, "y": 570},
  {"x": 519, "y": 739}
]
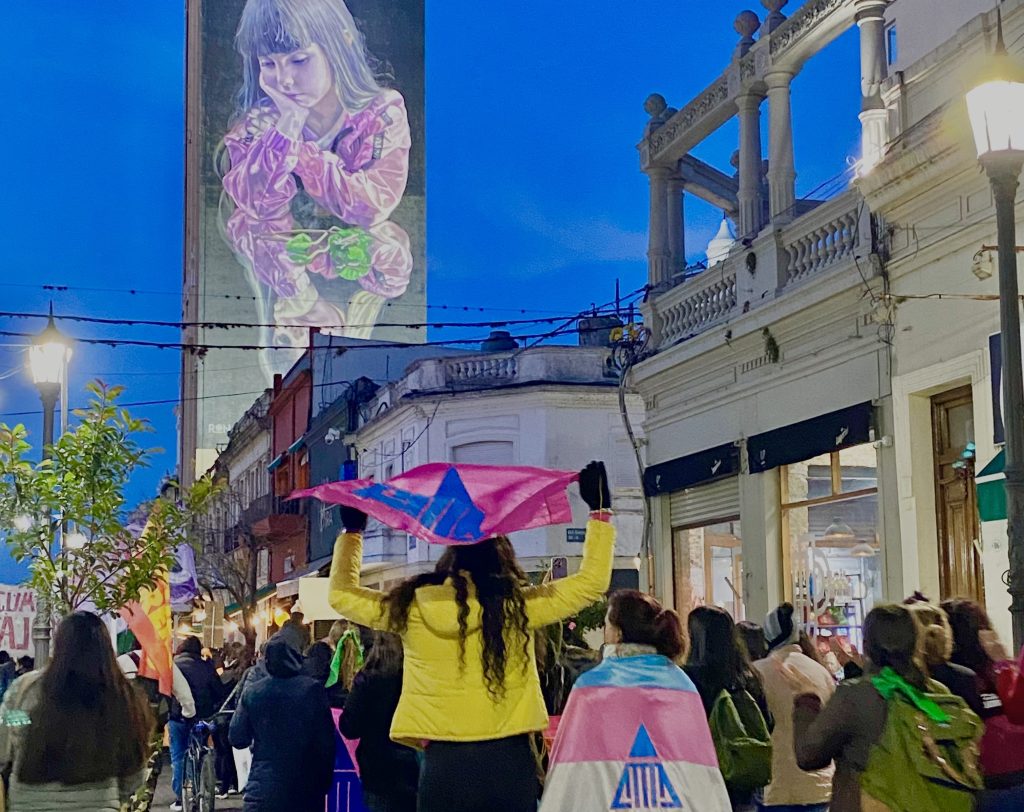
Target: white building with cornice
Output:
[
  {"x": 783, "y": 446},
  {"x": 550, "y": 407}
]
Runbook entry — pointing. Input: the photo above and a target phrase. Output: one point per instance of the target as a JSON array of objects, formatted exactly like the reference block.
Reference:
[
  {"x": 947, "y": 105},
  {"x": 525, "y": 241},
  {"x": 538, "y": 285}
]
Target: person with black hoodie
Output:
[
  {"x": 286, "y": 720},
  {"x": 207, "y": 694},
  {"x": 389, "y": 771}
]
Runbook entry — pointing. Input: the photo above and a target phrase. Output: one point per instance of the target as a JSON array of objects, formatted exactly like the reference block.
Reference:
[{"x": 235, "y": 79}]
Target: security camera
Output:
[{"x": 331, "y": 436}]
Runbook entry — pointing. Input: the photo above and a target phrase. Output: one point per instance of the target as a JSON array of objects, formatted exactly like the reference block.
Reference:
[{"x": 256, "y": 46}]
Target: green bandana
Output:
[
  {"x": 888, "y": 683},
  {"x": 339, "y": 654}
]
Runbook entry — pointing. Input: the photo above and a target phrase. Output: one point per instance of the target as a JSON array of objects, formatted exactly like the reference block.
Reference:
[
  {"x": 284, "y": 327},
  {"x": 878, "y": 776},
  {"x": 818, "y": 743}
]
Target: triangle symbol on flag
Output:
[
  {"x": 644, "y": 783},
  {"x": 643, "y": 747}
]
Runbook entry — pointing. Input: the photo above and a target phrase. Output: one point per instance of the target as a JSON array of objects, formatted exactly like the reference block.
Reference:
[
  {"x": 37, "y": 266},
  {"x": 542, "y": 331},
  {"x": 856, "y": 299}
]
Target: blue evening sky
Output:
[{"x": 534, "y": 193}]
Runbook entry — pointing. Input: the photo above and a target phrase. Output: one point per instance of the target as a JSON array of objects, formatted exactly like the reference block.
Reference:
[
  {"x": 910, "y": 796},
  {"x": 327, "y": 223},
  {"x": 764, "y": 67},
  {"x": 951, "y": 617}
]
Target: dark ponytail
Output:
[{"x": 642, "y": 620}]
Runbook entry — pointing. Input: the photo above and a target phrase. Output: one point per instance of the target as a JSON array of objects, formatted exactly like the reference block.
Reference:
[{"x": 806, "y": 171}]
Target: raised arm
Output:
[
  {"x": 354, "y": 602},
  {"x": 555, "y": 601}
]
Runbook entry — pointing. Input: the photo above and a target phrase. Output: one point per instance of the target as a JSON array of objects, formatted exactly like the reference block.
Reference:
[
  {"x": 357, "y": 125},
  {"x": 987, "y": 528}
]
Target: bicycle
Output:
[{"x": 199, "y": 776}]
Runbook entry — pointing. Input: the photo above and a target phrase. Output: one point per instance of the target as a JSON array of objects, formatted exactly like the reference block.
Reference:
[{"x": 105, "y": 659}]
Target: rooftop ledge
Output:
[{"x": 830, "y": 239}]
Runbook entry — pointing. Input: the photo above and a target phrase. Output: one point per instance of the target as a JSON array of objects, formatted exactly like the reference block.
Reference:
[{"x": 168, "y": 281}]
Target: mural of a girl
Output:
[{"x": 314, "y": 165}]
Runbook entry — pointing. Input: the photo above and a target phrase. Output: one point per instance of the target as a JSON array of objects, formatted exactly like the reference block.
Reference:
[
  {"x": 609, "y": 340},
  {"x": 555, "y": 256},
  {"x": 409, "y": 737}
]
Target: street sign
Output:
[{"x": 575, "y": 535}]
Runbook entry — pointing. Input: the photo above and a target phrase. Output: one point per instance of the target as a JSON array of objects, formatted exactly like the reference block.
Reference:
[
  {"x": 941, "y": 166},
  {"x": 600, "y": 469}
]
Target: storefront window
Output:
[
  {"x": 709, "y": 567},
  {"x": 830, "y": 521}
]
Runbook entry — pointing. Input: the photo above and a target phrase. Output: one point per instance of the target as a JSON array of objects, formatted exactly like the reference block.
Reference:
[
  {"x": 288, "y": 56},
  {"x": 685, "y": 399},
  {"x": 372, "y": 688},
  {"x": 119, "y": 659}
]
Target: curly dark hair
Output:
[{"x": 499, "y": 582}]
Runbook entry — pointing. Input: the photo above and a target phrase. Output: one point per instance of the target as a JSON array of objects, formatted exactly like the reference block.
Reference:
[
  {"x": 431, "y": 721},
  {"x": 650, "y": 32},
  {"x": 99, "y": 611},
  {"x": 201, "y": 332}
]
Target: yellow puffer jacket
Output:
[{"x": 442, "y": 701}]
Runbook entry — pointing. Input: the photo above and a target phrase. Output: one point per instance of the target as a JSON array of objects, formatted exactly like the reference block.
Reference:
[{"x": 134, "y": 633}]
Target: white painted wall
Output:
[
  {"x": 549, "y": 426},
  {"x": 921, "y": 25}
]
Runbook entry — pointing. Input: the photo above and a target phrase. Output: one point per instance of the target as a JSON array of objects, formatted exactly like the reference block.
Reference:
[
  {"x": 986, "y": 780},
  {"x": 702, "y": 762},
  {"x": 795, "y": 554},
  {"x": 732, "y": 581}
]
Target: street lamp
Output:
[
  {"x": 996, "y": 110},
  {"x": 48, "y": 359}
]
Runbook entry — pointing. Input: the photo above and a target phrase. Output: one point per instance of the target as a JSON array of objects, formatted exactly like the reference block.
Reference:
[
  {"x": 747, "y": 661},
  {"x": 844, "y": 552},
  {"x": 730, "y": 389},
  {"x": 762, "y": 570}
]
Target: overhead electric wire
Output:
[
  {"x": 237, "y": 297},
  {"x": 229, "y": 325}
]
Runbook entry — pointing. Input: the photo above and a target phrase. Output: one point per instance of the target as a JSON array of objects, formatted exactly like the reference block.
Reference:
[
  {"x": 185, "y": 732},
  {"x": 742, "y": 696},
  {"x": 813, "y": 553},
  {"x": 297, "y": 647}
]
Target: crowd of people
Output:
[{"x": 450, "y": 680}]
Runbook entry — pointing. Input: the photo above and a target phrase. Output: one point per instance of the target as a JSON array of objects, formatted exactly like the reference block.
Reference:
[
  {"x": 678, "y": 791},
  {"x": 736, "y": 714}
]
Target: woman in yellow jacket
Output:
[{"x": 470, "y": 692}]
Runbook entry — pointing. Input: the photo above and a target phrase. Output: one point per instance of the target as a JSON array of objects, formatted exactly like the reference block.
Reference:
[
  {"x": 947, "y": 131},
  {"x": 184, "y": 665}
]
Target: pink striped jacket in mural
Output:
[{"x": 634, "y": 736}]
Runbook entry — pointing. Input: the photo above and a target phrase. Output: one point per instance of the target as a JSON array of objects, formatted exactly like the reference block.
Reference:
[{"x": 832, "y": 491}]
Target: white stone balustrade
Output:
[
  {"x": 696, "y": 305},
  {"x": 473, "y": 369},
  {"x": 823, "y": 237}
]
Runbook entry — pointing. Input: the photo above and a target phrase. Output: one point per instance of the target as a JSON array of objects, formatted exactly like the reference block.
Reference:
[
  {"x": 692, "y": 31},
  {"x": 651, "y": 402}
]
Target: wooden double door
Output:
[{"x": 959, "y": 531}]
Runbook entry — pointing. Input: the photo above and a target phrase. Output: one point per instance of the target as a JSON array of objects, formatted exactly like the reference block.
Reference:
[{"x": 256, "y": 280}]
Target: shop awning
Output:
[
  {"x": 694, "y": 469},
  {"x": 313, "y": 594},
  {"x": 300, "y": 443},
  {"x": 286, "y": 589},
  {"x": 809, "y": 438},
  {"x": 261, "y": 594},
  {"x": 991, "y": 483},
  {"x": 277, "y": 461}
]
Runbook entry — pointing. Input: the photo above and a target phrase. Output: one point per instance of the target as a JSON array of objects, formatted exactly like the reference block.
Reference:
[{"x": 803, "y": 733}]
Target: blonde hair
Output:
[{"x": 934, "y": 635}]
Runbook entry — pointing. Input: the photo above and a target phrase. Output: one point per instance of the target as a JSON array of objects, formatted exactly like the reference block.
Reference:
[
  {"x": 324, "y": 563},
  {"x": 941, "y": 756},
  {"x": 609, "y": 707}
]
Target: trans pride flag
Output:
[
  {"x": 448, "y": 503},
  {"x": 634, "y": 736}
]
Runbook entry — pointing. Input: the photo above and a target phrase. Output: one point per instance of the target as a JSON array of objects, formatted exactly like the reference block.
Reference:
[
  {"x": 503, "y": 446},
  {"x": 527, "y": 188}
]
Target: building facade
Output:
[
  {"x": 796, "y": 448},
  {"x": 551, "y": 407}
]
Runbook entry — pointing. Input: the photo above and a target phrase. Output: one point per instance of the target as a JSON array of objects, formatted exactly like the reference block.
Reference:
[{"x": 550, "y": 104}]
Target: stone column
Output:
[
  {"x": 750, "y": 165},
  {"x": 781, "y": 171},
  {"x": 676, "y": 226},
  {"x": 874, "y": 117},
  {"x": 659, "y": 272}
]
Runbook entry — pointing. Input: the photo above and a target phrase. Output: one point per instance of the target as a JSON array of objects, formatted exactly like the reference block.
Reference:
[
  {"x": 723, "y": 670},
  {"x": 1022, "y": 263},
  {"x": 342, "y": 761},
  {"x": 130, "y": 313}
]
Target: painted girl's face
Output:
[{"x": 304, "y": 76}]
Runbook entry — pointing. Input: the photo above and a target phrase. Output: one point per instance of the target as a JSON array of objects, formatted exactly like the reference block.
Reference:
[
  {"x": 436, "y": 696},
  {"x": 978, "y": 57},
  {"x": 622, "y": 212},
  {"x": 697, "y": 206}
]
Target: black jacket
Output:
[
  {"x": 385, "y": 768},
  {"x": 207, "y": 689},
  {"x": 288, "y": 723}
]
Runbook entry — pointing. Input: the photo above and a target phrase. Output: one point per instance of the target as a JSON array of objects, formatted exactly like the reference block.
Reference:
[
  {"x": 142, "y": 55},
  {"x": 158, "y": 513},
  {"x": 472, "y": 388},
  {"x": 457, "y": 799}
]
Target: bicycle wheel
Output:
[
  {"x": 207, "y": 785},
  {"x": 190, "y": 783}
]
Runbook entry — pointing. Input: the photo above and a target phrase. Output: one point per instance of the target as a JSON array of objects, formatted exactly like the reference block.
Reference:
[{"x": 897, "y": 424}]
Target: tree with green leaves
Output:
[{"x": 78, "y": 493}]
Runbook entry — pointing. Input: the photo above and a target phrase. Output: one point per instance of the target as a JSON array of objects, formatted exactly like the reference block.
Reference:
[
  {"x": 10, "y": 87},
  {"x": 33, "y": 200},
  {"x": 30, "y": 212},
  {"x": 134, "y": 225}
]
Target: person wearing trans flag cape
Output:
[{"x": 634, "y": 735}]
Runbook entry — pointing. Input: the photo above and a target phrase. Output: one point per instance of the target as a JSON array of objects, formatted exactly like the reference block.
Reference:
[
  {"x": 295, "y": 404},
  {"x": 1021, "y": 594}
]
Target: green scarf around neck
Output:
[{"x": 888, "y": 683}]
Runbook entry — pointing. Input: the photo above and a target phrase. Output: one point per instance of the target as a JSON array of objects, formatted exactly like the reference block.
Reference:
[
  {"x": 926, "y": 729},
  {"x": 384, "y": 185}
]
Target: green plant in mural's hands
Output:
[
  {"x": 298, "y": 248},
  {"x": 350, "y": 251}
]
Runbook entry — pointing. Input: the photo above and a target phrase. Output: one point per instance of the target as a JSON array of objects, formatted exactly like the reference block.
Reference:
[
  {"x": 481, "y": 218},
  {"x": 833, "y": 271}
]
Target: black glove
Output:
[
  {"x": 594, "y": 487},
  {"x": 353, "y": 519}
]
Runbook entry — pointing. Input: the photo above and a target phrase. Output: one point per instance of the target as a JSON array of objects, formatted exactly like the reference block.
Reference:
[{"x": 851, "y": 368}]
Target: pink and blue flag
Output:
[
  {"x": 634, "y": 736},
  {"x": 456, "y": 503}
]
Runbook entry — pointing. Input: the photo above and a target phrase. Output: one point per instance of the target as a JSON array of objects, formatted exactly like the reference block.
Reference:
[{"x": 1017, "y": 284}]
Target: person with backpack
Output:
[
  {"x": 900, "y": 741},
  {"x": 207, "y": 693},
  {"x": 389, "y": 772},
  {"x": 471, "y": 690},
  {"x": 785, "y": 673},
  {"x": 634, "y": 734},
  {"x": 976, "y": 646},
  {"x": 160, "y": 706},
  {"x": 734, "y": 701}
]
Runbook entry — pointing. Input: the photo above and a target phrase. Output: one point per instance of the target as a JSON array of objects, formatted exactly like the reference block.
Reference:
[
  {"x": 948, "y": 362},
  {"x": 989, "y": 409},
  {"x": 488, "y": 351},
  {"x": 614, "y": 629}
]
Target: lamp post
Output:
[
  {"x": 996, "y": 110},
  {"x": 48, "y": 359}
]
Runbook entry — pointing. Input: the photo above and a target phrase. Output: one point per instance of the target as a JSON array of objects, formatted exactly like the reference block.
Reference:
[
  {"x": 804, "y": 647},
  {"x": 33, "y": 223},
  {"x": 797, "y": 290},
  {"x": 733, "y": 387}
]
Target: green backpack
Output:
[
  {"x": 742, "y": 741},
  {"x": 927, "y": 757}
]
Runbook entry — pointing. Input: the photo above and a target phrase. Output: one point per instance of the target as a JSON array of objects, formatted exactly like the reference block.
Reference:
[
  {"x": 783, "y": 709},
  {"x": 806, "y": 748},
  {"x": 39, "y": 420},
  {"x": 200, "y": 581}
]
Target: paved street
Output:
[{"x": 164, "y": 796}]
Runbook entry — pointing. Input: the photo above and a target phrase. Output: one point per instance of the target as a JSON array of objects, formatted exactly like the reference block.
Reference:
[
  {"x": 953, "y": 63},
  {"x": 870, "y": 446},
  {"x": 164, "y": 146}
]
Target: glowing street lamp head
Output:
[
  {"x": 49, "y": 355},
  {"x": 996, "y": 107}
]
